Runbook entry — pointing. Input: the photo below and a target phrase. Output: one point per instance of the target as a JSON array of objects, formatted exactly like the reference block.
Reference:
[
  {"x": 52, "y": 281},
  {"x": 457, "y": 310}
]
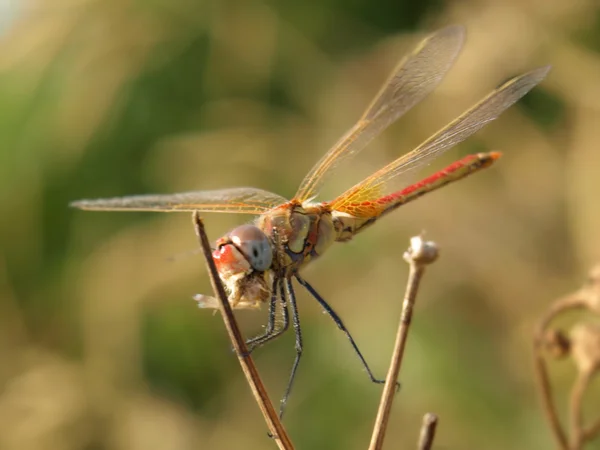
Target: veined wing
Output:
[
  {"x": 413, "y": 79},
  {"x": 455, "y": 132},
  {"x": 243, "y": 200}
]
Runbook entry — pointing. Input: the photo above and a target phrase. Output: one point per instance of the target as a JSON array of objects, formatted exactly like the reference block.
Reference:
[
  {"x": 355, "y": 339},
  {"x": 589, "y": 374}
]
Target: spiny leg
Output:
[
  {"x": 273, "y": 331},
  {"x": 340, "y": 325},
  {"x": 254, "y": 342},
  {"x": 296, "y": 323}
]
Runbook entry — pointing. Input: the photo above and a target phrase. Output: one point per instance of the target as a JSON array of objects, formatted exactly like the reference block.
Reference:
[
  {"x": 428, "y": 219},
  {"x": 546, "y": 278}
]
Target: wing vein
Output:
[{"x": 414, "y": 78}]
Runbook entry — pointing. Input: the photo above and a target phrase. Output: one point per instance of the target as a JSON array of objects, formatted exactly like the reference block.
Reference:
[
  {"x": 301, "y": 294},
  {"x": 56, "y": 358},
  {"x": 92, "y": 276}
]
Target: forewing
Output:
[
  {"x": 412, "y": 80},
  {"x": 455, "y": 132},
  {"x": 243, "y": 200}
]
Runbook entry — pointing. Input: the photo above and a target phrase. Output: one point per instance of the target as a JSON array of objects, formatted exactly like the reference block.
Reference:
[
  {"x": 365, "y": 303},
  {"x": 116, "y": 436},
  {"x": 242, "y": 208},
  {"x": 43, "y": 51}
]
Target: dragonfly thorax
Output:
[{"x": 299, "y": 233}]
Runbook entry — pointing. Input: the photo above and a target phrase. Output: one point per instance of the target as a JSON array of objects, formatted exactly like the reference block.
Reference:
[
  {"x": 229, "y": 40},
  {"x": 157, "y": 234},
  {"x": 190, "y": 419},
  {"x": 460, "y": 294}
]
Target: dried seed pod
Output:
[{"x": 585, "y": 347}]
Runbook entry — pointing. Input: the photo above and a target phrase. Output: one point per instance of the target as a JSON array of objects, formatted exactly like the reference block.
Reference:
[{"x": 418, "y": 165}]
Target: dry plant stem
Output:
[
  {"x": 417, "y": 268},
  {"x": 575, "y": 407},
  {"x": 427, "y": 434},
  {"x": 574, "y": 301},
  {"x": 592, "y": 431},
  {"x": 275, "y": 426},
  {"x": 547, "y": 399}
]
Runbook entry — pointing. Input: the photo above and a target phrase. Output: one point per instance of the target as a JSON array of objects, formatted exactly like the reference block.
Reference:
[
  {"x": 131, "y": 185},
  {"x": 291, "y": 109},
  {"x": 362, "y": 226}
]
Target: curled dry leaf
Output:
[{"x": 582, "y": 344}]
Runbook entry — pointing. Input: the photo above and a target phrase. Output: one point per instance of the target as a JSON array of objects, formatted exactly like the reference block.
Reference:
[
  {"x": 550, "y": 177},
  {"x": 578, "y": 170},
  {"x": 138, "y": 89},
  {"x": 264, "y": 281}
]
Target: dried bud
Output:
[
  {"x": 585, "y": 347},
  {"x": 420, "y": 251},
  {"x": 557, "y": 343}
]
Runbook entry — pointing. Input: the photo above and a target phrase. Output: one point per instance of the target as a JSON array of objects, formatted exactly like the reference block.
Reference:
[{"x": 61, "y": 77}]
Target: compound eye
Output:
[{"x": 253, "y": 243}]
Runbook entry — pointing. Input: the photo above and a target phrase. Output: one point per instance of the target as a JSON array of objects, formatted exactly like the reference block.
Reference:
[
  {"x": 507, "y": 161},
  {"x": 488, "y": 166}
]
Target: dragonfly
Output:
[{"x": 258, "y": 261}]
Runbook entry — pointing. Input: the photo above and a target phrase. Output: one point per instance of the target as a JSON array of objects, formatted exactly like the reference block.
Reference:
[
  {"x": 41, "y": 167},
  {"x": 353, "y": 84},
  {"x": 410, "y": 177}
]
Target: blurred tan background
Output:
[{"x": 101, "y": 344}]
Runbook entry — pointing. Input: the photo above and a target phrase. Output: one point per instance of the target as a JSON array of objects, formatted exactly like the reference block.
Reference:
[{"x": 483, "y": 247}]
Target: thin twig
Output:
[
  {"x": 427, "y": 434},
  {"x": 275, "y": 426},
  {"x": 575, "y": 407},
  {"x": 545, "y": 389},
  {"x": 419, "y": 255},
  {"x": 576, "y": 300}
]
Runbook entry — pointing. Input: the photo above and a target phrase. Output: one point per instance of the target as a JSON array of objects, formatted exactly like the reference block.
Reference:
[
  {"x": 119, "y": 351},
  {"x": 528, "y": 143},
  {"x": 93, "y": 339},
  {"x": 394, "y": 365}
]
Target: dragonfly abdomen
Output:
[
  {"x": 454, "y": 172},
  {"x": 367, "y": 212}
]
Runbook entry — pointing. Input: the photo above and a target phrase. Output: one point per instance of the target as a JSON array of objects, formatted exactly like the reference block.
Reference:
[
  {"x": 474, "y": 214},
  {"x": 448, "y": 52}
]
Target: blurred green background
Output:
[{"x": 101, "y": 344}]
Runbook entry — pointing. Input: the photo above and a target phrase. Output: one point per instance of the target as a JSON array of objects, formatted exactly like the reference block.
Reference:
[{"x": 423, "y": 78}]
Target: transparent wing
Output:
[
  {"x": 455, "y": 132},
  {"x": 243, "y": 200},
  {"x": 412, "y": 80}
]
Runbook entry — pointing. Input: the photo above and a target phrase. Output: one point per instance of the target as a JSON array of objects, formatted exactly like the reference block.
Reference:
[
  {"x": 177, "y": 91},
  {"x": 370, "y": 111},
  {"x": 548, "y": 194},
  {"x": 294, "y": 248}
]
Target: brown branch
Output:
[
  {"x": 275, "y": 426},
  {"x": 427, "y": 434},
  {"x": 419, "y": 255}
]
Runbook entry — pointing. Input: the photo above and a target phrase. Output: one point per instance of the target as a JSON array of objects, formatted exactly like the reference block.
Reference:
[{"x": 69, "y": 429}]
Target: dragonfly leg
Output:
[
  {"x": 273, "y": 331},
  {"x": 340, "y": 325},
  {"x": 296, "y": 324},
  {"x": 254, "y": 342}
]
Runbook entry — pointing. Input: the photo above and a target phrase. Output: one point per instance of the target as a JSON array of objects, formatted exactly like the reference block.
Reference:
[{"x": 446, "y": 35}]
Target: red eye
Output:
[{"x": 228, "y": 260}]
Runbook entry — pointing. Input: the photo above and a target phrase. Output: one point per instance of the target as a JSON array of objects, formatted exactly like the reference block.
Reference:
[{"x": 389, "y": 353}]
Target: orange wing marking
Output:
[{"x": 471, "y": 121}]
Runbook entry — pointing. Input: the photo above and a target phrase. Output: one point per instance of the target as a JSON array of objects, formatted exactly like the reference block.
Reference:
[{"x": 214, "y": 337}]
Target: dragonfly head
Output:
[
  {"x": 244, "y": 249},
  {"x": 243, "y": 258}
]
